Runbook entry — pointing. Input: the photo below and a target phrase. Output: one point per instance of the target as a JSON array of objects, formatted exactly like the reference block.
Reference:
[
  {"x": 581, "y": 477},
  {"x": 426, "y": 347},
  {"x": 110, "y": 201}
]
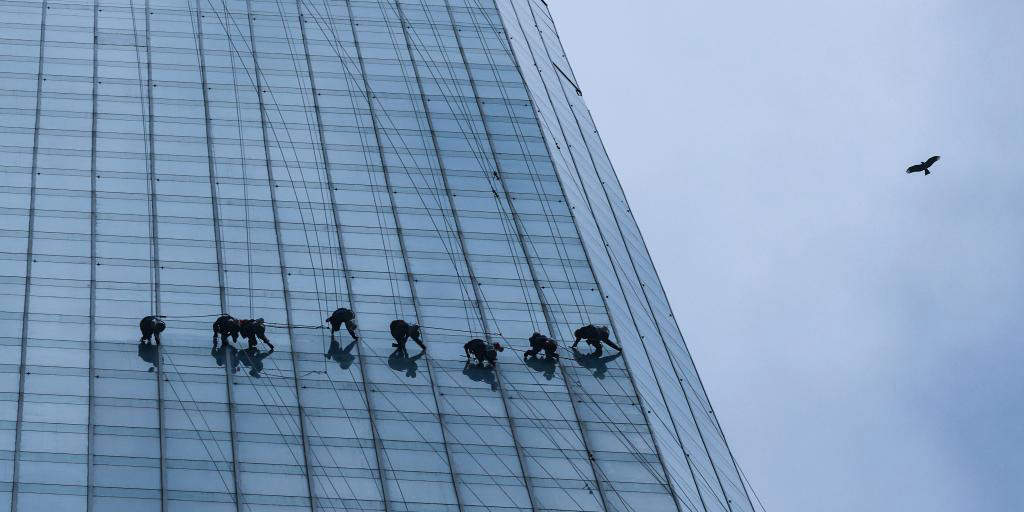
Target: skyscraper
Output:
[{"x": 425, "y": 160}]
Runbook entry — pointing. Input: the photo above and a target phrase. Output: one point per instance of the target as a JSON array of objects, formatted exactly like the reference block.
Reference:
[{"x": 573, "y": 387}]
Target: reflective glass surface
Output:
[{"x": 425, "y": 160}]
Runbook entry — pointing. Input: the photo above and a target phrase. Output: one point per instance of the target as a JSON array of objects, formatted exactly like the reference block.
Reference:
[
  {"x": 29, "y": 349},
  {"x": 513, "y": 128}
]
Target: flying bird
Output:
[{"x": 923, "y": 166}]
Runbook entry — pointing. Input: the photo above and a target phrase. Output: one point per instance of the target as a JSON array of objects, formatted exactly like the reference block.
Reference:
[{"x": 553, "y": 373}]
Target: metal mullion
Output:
[
  {"x": 264, "y": 119},
  {"x": 477, "y": 292},
  {"x": 219, "y": 250},
  {"x": 520, "y": 233},
  {"x": 89, "y": 476},
  {"x": 629, "y": 372},
  {"x": 155, "y": 264},
  {"x": 18, "y": 425},
  {"x": 294, "y": 354},
  {"x": 647, "y": 299}
]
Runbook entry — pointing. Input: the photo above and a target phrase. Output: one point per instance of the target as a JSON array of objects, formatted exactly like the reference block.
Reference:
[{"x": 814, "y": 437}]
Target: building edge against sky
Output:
[
  {"x": 637, "y": 303},
  {"x": 430, "y": 160}
]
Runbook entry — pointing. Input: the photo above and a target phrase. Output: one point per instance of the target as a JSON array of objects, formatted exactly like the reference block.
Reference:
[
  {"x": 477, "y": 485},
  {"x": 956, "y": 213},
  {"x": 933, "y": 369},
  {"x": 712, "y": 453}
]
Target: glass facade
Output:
[{"x": 430, "y": 160}]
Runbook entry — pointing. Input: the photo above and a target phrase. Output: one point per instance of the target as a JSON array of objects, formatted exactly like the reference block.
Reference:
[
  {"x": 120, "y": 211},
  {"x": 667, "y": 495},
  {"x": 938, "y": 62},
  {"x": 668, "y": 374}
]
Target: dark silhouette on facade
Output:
[
  {"x": 254, "y": 330},
  {"x": 480, "y": 373},
  {"x": 342, "y": 356},
  {"x": 402, "y": 331},
  {"x": 596, "y": 337},
  {"x": 594, "y": 361},
  {"x": 151, "y": 327},
  {"x": 252, "y": 359},
  {"x": 403, "y": 363},
  {"x": 343, "y": 316},
  {"x": 226, "y": 326},
  {"x": 540, "y": 342},
  {"x": 484, "y": 351}
]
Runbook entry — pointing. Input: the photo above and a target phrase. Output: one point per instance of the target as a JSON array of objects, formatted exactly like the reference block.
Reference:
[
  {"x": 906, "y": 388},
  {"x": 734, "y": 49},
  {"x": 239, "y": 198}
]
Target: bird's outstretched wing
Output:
[{"x": 931, "y": 160}]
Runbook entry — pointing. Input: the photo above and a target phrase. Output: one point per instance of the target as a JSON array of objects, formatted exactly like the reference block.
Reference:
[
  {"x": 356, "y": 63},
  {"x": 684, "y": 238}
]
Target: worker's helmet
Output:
[{"x": 498, "y": 347}]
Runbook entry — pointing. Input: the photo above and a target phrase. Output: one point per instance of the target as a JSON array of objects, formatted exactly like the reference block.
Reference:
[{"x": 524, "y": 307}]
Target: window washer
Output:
[
  {"x": 253, "y": 330},
  {"x": 402, "y": 331},
  {"x": 595, "y": 337},
  {"x": 540, "y": 342},
  {"x": 484, "y": 351},
  {"x": 151, "y": 327},
  {"x": 226, "y": 326},
  {"x": 343, "y": 316}
]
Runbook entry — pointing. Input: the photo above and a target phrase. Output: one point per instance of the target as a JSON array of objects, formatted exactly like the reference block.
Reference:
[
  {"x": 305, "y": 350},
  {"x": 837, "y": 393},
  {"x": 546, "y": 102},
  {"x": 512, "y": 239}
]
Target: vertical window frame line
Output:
[
  {"x": 264, "y": 119},
  {"x": 377, "y": 443},
  {"x": 155, "y": 248},
  {"x": 219, "y": 250},
  {"x": 20, "y": 418},
  {"x": 668, "y": 478},
  {"x": 93, "y": 214},
  {"x": 520, "y": 233}
]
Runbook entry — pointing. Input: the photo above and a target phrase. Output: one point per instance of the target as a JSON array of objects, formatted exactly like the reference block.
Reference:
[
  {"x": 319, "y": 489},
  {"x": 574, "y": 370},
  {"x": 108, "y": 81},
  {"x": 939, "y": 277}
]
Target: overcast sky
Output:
[{"x": 858, "y": 329}]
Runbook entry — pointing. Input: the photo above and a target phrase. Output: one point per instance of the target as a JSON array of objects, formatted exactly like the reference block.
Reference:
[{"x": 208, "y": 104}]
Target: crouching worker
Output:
[
  {"x": 484, "y": 351},
  {"x": 151, "y": 327},
  {"x": 254, "y": 330},
  {"x": 539, "y": 342},
  {"x": 226, "y": 326},
  {"x": 402, "y": 331},
  {"x": 343, "y": 316},
  {"x": 596, "y": 337}
]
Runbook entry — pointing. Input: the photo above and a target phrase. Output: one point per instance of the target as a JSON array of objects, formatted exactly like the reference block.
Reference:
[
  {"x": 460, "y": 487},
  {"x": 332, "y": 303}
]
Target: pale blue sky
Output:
[{"x": 858, "y": 329}]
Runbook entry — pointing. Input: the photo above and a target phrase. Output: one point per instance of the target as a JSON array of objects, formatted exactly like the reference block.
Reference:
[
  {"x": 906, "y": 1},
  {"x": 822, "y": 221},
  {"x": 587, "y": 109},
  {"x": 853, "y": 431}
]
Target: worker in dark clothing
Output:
[
  {"x": 484, "y": 351},
  {"x": 402, "y": 331},
  {"x": 252, "y": 358},
  {"x": 226, "y": 326},
  {"x": 151, "y": 327},
  {"x": 596, "y": 337},
  {"x": 253, "y": 330},
  {"x": 343, "y": 316},
  {"x": 540, "y": 342}
]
